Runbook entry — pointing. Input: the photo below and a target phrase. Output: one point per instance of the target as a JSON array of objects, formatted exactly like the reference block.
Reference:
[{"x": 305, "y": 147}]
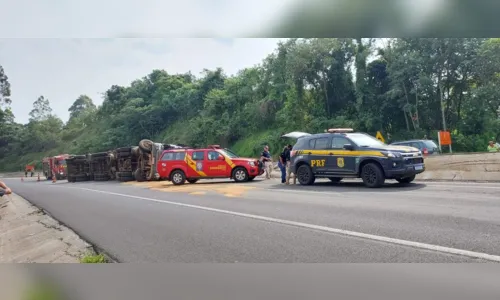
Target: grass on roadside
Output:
[{"x": 94, "y": 259}]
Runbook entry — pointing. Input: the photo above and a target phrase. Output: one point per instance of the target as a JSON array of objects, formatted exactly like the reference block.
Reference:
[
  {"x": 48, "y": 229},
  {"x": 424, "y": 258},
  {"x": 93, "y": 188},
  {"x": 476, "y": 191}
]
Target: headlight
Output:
[
  {"x": 392, "y": 154},
  {"x": 251, "y": 163}
]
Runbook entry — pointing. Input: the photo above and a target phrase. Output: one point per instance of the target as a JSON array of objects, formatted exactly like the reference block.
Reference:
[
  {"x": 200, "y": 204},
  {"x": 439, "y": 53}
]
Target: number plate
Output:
[{"x": 418, "y": 168}]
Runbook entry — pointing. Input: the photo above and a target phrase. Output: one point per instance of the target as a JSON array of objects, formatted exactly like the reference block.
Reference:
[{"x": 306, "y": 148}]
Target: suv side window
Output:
[
  {"x": 338, "y": 142},
  {"x": 167, "y": 156},
  {"x": 198, "y": 155},
  {"x": 318, "y": 144},
  {"x": 180, "y": 155},
  {"x": 213, "y": 155}
]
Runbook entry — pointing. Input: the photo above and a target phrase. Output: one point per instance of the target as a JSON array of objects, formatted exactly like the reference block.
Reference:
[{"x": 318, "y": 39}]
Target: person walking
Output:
[
  {"x": 289, "y": 166},
  {"x": 266, "y": 158},
  {"x": 282, "y": 164}
]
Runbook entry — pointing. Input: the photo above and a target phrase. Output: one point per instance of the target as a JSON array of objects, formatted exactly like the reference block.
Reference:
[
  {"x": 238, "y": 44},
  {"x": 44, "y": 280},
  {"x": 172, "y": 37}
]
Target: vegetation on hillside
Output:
[{"x": 406, "y": 88}]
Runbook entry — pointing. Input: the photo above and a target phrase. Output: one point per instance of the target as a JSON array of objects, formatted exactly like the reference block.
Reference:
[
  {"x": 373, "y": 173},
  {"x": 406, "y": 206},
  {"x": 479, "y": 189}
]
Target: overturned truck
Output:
[
  {"x": 148, "y": 155},
  {"x": 78, "y": 168},
  {"x": 125, "y": 163}
]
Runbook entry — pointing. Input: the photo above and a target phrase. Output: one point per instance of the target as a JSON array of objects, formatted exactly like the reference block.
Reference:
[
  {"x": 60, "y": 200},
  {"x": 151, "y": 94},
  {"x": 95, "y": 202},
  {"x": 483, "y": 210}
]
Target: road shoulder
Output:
[{"x": 29, "y": 235}]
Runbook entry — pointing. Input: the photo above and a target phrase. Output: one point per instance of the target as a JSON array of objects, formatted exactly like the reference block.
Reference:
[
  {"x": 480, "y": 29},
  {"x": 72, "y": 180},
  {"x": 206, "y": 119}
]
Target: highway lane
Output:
[{"x": 147, "y": 222}]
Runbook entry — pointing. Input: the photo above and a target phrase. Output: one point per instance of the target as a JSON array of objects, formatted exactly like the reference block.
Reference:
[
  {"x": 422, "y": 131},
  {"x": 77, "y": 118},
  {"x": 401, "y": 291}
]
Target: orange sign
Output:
[{"x": 445, "y": 138}]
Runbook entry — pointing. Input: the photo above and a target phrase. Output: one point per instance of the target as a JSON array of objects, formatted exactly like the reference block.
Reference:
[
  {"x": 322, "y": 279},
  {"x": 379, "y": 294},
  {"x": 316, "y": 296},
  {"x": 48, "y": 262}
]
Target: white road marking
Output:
[{"x": 395, "y": 241}]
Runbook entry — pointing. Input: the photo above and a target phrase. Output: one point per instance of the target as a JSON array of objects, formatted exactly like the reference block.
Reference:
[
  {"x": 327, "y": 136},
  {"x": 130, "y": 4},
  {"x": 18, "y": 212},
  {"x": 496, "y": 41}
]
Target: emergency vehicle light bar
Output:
[
  {"x": 338, "y": 130},
  {"x": 214, "y": 146}
]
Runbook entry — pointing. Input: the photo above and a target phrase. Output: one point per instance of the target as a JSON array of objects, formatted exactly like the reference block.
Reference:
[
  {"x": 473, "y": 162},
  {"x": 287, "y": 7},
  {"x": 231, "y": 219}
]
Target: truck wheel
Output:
[
  {"x": 71, "y": 178},
  {"x": 192, "y": 181},
  {"x": 335, "y": 179},
  {"x": 135, "y": 151},
  {"x": 305, "y": 175},
  {"x": 406, "y": 179},
  {"x": 139, "y": 176},
  {"x": 372, "y": 175},
  {"x": 240, "y": 174},
  {"x": 146, "y": 146},
  {"x": 178, "y": 177}
]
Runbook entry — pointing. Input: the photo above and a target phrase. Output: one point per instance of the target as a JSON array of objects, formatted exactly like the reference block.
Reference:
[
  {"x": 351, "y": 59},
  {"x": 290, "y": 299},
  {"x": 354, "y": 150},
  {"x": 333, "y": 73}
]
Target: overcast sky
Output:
[
  {"x": 63, "y": 69},
  {"x": 40, "y": 58}
]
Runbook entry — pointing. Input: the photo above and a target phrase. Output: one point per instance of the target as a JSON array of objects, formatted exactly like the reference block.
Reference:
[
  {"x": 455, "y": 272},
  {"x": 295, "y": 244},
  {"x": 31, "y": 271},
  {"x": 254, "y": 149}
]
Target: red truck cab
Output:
[
  {"x": 55, "y": 165},
  {"x": 191, "y": 165}
]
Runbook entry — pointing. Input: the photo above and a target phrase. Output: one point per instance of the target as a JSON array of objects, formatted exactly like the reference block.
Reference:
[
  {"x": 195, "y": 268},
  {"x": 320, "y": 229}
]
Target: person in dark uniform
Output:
[
  {"x": 289, "y": 166},
  {"x": 282, "y": 163}
]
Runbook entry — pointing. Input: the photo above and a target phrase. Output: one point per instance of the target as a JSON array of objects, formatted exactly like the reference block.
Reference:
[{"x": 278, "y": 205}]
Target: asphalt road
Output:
[{"x": 266, "y": 222}]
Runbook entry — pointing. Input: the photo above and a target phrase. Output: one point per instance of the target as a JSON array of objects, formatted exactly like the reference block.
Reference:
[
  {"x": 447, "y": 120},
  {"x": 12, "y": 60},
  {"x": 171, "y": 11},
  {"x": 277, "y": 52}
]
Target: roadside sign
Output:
[
  {"x": 445, "y": 138},
  {"x": 380, "y": 137}
]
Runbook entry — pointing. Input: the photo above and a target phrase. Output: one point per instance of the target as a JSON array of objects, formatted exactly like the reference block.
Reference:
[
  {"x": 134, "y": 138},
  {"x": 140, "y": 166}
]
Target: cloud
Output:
[{"x": 63, "y": 69}]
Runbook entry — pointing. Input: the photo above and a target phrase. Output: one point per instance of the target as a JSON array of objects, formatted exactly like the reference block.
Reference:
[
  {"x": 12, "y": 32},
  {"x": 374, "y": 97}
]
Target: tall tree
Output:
[{"x": 41, "y": 109}]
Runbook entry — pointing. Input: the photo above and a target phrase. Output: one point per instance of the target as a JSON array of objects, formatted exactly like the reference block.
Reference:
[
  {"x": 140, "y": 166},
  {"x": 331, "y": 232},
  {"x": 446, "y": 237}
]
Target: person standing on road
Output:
[
  {"x": 492, "y": 147},
  {"x": 289, "y": 166},
  {"x": 282, "y": 164},
  {"x": 4, "y": 189},
  {"x": 266, "y": 158}
]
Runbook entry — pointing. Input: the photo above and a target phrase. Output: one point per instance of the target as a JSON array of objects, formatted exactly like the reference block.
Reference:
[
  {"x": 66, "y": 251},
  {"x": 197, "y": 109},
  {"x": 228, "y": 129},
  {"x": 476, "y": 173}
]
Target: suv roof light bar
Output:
[{"x": 339, "y": 130}]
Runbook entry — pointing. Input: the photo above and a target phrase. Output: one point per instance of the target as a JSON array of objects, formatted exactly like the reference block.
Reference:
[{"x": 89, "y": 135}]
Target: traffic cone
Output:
[{"x": 53, "y": 178}]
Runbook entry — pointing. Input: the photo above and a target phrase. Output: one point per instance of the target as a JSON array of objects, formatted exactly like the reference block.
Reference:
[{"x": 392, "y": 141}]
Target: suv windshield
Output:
[
  {"x": 364, "y": 140},
  {"x": 228, "y": 153}
]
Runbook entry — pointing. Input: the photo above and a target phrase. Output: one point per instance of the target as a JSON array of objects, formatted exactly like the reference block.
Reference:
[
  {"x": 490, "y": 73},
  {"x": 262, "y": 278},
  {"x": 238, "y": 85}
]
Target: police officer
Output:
[{"x": 289, "y": 166}]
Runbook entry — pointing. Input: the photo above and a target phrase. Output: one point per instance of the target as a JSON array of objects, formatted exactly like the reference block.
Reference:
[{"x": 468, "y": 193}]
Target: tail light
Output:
[
  {"x": 426, "y": 151},
  {"x": 292, "y": 153}
]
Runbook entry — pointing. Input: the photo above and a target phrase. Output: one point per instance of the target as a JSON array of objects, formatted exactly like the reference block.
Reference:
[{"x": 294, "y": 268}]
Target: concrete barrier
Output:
[{"x": 481, "y": 167}]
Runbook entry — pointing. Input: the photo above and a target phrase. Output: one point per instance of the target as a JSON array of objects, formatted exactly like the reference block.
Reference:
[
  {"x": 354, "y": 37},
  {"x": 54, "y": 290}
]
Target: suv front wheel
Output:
[
  {"x": 305, "y": 175},
  {"x": 372, "y": 175}
]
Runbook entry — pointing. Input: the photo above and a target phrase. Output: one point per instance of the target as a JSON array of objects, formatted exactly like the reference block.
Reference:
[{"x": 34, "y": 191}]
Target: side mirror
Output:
[
  {"x": 221, "y": 158},
  {"x": 349, "y": 147}
]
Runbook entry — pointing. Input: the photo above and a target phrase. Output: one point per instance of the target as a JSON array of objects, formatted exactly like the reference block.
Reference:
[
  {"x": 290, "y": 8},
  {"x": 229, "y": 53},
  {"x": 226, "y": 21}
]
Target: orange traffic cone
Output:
[
  {"x": 53, "y": 178},
  {"x": 38, "y": 179}
]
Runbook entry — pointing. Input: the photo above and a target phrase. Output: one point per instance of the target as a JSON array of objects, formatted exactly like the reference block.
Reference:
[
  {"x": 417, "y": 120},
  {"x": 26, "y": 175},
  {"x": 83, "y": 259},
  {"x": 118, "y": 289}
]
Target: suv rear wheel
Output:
[
  {"x": 305, "y": 175},
  {"x": 178, "y": 177},
  {"x": 372, "y": 175}
]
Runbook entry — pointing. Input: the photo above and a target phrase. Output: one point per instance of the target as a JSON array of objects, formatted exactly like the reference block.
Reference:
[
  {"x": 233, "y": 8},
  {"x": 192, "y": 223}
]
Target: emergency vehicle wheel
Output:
[
  {"x": 305, "y": 175},
  {"x": 406, "y": 179},
  {"x": 372, "y": 175},
  {"x": 192, "y": 180},
  {"x": 240, "y": 175},
  {"x": 178, "y": 177}
]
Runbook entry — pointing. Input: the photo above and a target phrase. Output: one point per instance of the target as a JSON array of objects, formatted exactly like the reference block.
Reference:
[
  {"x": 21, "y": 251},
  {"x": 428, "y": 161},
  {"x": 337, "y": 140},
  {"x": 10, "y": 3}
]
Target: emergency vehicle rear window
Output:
[{"x": 174, "y": 156}]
